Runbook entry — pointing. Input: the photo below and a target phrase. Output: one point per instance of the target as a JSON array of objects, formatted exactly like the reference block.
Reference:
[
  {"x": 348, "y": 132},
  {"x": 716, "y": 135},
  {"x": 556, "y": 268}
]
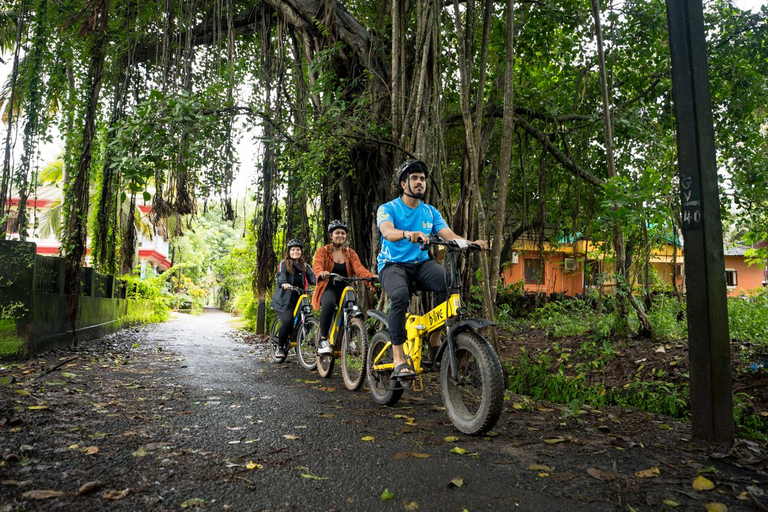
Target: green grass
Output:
[{"x": 11, "y": 345}]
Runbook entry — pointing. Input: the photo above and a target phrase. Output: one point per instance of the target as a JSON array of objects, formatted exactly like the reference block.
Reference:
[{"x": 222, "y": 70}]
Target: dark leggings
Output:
[
  {"x": 328, "y": 303},
  {"x": 286, "y": 323},
  {"x": 395, "y": 277}
]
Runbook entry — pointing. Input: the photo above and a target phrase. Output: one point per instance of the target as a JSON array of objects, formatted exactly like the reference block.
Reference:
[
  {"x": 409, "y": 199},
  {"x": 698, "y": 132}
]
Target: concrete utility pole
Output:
[{"x": 710, "y": 360}]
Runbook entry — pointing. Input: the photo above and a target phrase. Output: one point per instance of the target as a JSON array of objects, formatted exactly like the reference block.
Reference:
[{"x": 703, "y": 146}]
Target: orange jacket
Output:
[{"x": 324, "y": 262}]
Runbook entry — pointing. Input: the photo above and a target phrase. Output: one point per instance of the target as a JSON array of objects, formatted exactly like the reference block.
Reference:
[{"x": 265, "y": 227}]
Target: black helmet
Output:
[
  {"x": 337, "y": 224},
  {"x": 295, "y": 243},
  {"x": 410, "y": 166}
]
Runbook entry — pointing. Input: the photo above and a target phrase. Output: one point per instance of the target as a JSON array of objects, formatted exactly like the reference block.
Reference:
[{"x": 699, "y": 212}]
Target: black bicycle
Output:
[
  {"x": 348, "y": 337},
  {"x": 305, "y": 329}
]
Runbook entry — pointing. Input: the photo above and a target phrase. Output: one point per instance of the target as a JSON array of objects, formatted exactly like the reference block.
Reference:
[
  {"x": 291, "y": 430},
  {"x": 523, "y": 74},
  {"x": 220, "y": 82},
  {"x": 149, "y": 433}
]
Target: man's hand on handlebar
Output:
[
  {"x": 416, "y": 237},
  {"x": 287, "y": 286}
]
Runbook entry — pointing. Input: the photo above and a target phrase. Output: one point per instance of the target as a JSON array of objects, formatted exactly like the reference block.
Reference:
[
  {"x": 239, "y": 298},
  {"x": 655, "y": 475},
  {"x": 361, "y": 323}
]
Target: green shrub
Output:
[{"x": 748, "y": 317}]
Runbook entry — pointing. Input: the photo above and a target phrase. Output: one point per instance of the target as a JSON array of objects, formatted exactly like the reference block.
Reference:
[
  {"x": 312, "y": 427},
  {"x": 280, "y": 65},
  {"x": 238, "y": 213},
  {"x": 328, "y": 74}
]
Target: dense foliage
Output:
[{"x": 505, "y": 105}]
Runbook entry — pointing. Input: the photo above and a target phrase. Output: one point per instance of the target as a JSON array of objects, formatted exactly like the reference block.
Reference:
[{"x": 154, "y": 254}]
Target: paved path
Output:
[
  {"x": 236, "y": 395},
  {"x": 191, "y": 412}
]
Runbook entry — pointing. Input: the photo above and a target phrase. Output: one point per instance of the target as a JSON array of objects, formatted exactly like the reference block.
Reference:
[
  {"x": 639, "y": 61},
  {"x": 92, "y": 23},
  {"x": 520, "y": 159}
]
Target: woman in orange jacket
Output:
[{"x": 335, "y": 258}]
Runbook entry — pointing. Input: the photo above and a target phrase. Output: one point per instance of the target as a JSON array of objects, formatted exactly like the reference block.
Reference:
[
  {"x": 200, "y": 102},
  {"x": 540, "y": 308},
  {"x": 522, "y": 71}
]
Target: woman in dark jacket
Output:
[{"x": 292, "y": 271}]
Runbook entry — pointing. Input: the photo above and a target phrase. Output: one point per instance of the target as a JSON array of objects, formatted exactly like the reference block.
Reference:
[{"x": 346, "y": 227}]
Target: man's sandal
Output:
[{"x": 400, "y": 374}]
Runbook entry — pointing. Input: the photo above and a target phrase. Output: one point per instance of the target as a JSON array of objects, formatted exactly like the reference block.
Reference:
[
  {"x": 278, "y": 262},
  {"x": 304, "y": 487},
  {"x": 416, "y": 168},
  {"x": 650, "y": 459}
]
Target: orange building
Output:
[
  {"x": 740, "y": 277},
  {"x": 575, "y": 267}
]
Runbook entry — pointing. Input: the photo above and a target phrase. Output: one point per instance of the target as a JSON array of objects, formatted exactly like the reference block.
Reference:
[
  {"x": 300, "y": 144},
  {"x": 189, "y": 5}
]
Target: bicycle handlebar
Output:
[
  {"x": 338, "y": 277},
  {"x": 300, "y": 290},
  {"x": 455, "y": 245}
]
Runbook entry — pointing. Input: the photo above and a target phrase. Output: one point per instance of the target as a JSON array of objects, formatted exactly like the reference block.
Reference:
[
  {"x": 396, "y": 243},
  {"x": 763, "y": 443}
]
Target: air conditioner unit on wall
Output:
[
  {"x": 569, "y": 265},
  {"x": 515, "y": 258}
]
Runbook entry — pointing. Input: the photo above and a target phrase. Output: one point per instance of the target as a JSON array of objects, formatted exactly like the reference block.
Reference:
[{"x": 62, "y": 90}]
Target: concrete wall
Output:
[{"x": 35, "y": 321}]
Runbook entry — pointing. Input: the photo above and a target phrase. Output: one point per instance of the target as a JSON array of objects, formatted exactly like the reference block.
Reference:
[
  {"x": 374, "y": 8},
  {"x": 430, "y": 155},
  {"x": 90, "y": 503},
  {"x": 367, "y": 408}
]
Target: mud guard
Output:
[{"x": 380, "y": 316}]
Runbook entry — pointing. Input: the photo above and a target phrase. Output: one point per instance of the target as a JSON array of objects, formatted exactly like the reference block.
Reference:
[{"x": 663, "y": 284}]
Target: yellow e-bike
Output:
[
  {"x": 348, "y": 337},
  {"x": 471, "y": 375}
]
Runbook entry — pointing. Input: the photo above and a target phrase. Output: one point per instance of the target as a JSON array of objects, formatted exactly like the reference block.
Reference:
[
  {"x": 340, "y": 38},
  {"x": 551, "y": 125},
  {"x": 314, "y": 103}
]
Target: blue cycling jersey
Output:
[{"x": 424, "y": 218}]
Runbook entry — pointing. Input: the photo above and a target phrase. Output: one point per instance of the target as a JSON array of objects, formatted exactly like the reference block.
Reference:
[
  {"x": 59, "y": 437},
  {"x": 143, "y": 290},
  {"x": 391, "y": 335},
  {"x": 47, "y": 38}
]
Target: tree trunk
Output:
[
  {"x": 473, "y": 126},
  {"x": 507, "y": 135},
  {"x": 5, "y": 179},
  {"x": 75, "y": 241},
  {"x": 619, "y": 244}
]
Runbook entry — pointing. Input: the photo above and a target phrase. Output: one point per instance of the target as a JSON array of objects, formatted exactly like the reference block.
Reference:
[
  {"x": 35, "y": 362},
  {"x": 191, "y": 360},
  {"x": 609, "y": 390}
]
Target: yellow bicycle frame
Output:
[
  {"x": 299, "y": 303},
  {"x": 419, "y": 327},
  {"x": 336, "y": 326}
]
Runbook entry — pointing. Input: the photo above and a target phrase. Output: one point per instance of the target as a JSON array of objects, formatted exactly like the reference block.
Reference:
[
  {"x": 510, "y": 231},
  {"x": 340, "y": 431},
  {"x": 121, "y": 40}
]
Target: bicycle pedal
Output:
[{"x": 421, "y": 384}]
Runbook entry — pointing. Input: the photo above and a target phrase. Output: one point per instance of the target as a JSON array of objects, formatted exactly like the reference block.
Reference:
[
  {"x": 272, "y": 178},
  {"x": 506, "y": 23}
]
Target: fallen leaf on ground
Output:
[
  {"x": 367, "y": 438},
  {"x": 141, "y": 452},
  {"x": 22, "y": 483},
  {"x": 648, "y": 473},
  {"x": 671, "y": 503},
  {"x": 193, "y": 502},
  {"x": 702, "y": 484},
  {"x": 459, "y": 450},
  {"x": 91, "y": 450},
  {"x": 387, "y": 495},
  {"x": 112, "y": 494},
  {"x": 37, "y": 407},
  {"x": 456, "y": 482},
  {"x": 541, "y": 467},
  {"x": 253, "y": 465},
  {"x": 313, "y": 477},
  {"x": 42, "y": 494},
  {"x": 600, "y": 474},
  {"x": 554, "y": 440},
  {"x": 292, "y": 437},
  {"x": 411, "y": 506},
  {"x": 89, "y": 487},
  {"x": 716, "y": 507},
  {"x": 450, "y": 439}
]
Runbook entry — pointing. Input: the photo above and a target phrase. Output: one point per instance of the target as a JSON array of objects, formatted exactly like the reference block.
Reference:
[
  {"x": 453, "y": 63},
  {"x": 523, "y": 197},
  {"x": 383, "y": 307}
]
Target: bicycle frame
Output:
[
  {"x": 347, "y": 308},
  {"x": 302, "y": 309}
]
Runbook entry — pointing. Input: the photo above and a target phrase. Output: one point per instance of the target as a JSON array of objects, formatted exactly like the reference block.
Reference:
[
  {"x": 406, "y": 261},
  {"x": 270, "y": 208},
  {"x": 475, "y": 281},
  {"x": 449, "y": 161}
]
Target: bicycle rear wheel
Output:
[
  {"x": 473, "y": 403},
  {"x": 353, "y": 353},
  {"x": 273, "y": 330},
  {"x": 305, "y": 344},
  {"x": 385, "y": 391}
]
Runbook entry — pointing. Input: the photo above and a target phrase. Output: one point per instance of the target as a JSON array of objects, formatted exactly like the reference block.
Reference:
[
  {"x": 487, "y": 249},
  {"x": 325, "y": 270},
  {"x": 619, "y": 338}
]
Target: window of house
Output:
[
  {"x": 730, "y": 278},
  {"x": 534, "y": 272}
]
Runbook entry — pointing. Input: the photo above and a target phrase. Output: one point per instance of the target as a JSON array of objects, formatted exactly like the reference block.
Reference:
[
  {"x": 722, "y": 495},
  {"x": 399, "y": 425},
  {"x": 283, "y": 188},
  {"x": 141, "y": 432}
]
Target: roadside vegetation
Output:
[{"x": 563, "y": 351}]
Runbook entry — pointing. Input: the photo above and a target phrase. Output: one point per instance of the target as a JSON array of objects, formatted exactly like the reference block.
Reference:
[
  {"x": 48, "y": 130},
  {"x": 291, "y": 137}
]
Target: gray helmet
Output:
[
  {"x": 337, "y": 224},
  {"x": 295, "y": 243},
  {"x": 410, "y": 166}
]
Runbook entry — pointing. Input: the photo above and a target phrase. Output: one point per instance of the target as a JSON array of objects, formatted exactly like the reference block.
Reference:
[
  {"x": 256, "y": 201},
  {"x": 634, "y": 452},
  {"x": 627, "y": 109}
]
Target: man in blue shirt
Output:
[{"x": 405, "y": 224}]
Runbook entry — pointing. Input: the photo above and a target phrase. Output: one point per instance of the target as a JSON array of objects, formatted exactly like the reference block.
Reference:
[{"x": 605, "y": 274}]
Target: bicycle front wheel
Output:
[
  {"x": 273, "y": 330},
  {"x": 385, "y": 391},
  {"x": 353, "y": 352},
  {"x": 324, "y": 361},
  {"x": 305, "y": 344},
  {"x": 474, "y": 402}
]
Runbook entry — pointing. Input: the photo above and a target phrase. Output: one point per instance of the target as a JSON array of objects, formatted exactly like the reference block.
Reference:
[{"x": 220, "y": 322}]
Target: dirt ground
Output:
[{"x": 90, "y": 428}]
